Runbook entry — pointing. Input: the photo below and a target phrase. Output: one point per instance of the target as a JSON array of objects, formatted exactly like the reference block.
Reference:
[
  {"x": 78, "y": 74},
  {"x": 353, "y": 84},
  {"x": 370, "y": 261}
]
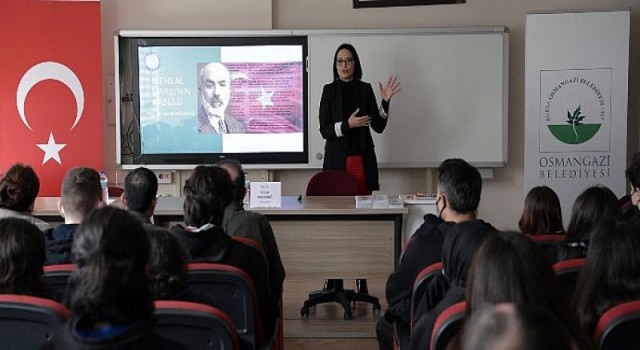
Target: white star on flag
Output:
[
  {"x": 265, "y": 98},
  {"x": 51, "y": 149}
]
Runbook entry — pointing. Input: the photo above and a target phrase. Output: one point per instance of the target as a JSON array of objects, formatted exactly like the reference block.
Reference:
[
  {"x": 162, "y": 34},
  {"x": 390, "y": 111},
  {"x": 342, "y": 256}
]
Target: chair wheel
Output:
[
  {"x": 348, "y": 315},
  {"x": 304, "y": 311}
]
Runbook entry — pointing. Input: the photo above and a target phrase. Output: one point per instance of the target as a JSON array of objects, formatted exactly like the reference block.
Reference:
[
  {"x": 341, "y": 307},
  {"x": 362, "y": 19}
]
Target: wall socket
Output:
[{"x": 164, "y": 176}]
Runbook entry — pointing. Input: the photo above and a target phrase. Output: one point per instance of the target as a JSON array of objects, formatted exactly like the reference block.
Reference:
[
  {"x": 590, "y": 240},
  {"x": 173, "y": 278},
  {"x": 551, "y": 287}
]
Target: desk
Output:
[{"x": 169, "y": 209}]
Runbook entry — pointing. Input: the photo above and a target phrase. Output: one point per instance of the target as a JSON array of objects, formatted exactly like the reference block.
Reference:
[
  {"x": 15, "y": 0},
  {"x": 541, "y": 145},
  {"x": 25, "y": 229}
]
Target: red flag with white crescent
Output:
[{"x": 50, "y": 87}]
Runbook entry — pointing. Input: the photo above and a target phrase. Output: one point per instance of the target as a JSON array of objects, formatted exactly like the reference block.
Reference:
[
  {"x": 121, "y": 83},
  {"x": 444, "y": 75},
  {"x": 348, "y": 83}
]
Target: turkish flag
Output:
[{"x": 50, "y": 88}]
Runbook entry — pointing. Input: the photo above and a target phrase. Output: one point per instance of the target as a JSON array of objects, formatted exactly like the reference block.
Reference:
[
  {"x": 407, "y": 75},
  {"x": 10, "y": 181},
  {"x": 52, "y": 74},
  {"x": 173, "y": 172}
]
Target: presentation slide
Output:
[{"x": 221, "y": 99}]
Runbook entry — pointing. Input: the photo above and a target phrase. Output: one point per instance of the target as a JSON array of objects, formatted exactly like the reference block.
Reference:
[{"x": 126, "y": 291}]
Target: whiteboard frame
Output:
[{"x": 502, "y": 30}]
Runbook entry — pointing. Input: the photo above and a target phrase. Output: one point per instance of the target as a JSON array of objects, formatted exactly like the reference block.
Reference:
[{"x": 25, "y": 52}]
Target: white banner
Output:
[{"x": 576, "y": 73}]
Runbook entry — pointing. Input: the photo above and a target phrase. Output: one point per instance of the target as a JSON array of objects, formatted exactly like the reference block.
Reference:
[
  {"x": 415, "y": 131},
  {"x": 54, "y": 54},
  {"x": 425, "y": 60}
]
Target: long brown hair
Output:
[{"x": 542, "y": 212}]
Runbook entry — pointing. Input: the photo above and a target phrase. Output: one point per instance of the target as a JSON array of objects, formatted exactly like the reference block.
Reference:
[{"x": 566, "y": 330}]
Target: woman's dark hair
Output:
[
  {"x": 511, "y": 326},
  {"x": 510, "y": 267},
  {"x": 542, "y": 212},
  {"x": 208, "y": 192},
  {"x": 596, "y": 204},
  {"x": 357, "y": 68},
  {"x": 19, "y": 188},
  {"x": 22, "y": 255},
  {"x": 111, "y": 249},
  {"x": 610, "y": 274},
  {"x": 167, "y": 264}
]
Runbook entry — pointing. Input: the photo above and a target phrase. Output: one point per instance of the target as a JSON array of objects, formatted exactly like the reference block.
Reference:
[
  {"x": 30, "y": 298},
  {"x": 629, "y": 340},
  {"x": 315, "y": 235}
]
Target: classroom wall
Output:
[{"x": 503, "y": 194}]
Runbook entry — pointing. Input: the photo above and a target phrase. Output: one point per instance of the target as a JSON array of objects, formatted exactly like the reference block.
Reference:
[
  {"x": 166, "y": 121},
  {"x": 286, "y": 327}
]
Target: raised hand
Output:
[{"x": 391, "y": 88}]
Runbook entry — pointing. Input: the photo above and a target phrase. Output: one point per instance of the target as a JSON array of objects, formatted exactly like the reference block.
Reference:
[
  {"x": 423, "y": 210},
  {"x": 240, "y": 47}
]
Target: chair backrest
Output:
[
  {"x": 447, "y": 325},
  {"x": 332, "y": 183},
  {"x": 115, "y": 191},
  {"x": 197, "y": 326},
  {"x": 26, "y": 322},
  {"x": 549, "y": 243},
  {"x": 618, "y": 327},
  {"x": 56, "y": 277},
  {"x": 420, "y": 284},
  {"x": 567, "y": 273},
  {"x": 235, "y": 295},
  {"x": 258, "y": 247}
]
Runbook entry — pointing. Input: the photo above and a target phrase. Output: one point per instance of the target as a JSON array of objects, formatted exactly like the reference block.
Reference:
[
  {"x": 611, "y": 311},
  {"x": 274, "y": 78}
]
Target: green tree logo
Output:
[{"x": 576, "y": 132}]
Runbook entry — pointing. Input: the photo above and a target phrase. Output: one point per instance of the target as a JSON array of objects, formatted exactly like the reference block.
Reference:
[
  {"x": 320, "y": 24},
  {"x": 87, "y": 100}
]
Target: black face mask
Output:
[{"x": 438, "y": 209}]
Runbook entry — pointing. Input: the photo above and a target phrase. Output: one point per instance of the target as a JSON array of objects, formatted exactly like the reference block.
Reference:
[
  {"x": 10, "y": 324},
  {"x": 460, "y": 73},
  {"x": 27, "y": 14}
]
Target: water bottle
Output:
[
  {"x": 247, "y": 191},
  {"x": 104, "y": 183}
]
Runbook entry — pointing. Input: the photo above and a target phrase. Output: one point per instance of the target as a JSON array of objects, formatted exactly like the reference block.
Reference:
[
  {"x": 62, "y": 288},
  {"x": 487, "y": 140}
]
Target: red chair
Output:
[
  {"x": 57, "y": 277},
  {"x": 337, "y": 183},
  {"x": 420, "y": 284},
  {"x": 236, "y": 296},
  {"x": 277, "y": 338},
  {"x": 567, "y": 273},
  {"x": 332, "y": 183},
  {"x": 549, "y": 243},
  {"x": 447, "y": 325},
  {"x": 618, "y": 327},
  {"x": 26, "y": 322},
  {"x": 197, "y": 326},
  {"x": 115, "y": 191}
]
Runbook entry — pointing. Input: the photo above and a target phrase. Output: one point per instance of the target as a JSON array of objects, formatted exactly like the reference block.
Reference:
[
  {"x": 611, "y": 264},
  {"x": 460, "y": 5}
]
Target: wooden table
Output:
[{"x": 320, "y": 209}]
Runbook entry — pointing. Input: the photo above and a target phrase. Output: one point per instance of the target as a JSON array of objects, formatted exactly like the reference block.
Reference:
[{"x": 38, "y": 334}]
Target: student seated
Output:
[
  {"x": 542, "y": 213},
  {"x": 610, "y": 274},
  {"x": 110, "y": 301},
  {"x": 21, "y": 258},
  {"x": 595, "y": 205},
  {"x": 510, "y": 326},
  {"x": 460, "y": 245},
  {"x": 140, "y": 191},
  {"x": 81, "y": 193},
  {"x": 19, "y": 188},
  {"x": 207, "y": 193},
  {"x": 244, "y": 223},
  {"x": 458, "y": 197},
  {"x": 510, "y": 268}
]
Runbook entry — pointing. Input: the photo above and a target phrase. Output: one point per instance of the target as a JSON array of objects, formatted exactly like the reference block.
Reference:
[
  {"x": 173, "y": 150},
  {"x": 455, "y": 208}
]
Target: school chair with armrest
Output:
[
  {"x": 275, "y": 338},
  {"x": 194, "y": 325},
  {"x": 567, "y": 273},
  {"x": 337, "y": 183},
  {"x": 235, "y": 294},
  {"x": 26, "y": 322},
  {"x": 447, "y": 326},
  {"x": 618, "y": 327},
  {"x": 56, "y": 277},
  {"x": 549, "y": 243}
]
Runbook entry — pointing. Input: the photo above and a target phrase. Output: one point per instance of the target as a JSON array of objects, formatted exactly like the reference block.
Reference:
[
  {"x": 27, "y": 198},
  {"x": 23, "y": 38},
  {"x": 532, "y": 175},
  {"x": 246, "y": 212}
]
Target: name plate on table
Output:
[{"x": 266, "y": 195}]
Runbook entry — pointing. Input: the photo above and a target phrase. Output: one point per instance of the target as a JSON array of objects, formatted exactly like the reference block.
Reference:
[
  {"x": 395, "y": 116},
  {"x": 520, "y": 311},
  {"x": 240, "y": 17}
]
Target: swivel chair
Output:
[{"x": 337, "y": 183}]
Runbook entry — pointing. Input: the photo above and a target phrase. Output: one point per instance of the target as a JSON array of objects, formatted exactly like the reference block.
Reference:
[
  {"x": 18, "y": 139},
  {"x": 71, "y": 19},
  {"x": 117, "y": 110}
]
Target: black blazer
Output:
[{"x": 331, "y": 112}]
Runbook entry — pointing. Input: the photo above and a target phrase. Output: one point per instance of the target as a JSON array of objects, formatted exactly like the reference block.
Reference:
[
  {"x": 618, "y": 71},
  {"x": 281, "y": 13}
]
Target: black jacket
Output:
[
  {"x": 139, "y": 336},
  {"x": 58, "y": 243},
  {"x": 215, "y": 246},
  {"x": 331, "y": 112}
]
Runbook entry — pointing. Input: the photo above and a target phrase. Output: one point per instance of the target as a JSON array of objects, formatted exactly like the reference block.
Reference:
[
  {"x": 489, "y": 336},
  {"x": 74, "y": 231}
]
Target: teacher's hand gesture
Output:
[{"x": 391, "y": 88}]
